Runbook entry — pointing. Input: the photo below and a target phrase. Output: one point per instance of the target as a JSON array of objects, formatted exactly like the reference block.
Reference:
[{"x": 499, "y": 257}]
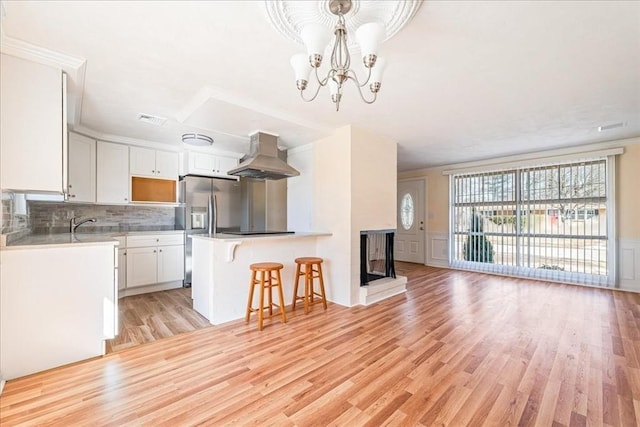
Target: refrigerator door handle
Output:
[
  {"x": 212, "y": 214},
  {"x": 215, "y": 215}
]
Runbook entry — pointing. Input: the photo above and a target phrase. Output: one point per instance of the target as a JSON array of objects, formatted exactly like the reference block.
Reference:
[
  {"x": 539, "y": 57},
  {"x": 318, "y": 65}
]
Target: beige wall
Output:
[
  {"x": 628, "y": 192},
  {"x": 437, "y": 200},
  {"x": 354, "y": 174},
  {"x": 627, "y": 189}
]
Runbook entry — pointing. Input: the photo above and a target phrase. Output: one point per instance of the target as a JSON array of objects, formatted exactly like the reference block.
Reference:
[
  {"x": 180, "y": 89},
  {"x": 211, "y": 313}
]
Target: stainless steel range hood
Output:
[{"x": 263, "y": 162}]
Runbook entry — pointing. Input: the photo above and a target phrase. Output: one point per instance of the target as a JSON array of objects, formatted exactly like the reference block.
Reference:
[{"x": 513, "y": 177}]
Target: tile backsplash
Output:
[
  {"x": 53, "y": 217},
  {"x": 46, "y": 217},
  {"x": 12, "y": 218}
]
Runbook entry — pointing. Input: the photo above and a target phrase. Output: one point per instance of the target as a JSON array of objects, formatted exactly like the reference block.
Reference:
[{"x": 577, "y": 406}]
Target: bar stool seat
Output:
[
  {"x": 267, "y": 276},
  {"x": 310, "y": 268}
]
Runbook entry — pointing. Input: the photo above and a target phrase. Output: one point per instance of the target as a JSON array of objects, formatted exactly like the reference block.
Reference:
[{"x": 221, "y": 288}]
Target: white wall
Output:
[
  {"x": 332, "y": 211},
  {"x": 373, "y": 192},
  {"x": 300, "y": 189},
  {"x": 354, "y": 189}
]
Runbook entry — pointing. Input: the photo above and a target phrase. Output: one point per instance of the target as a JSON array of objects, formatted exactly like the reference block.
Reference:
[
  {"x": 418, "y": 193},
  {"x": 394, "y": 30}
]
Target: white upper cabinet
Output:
[
  {"x": 153, "y": 163},
  {"x": 209, "y": 165},
  {"x": 112, "y": 173},
  {"x": 82, "y": 169},
  {"x": 33, "y": 128}
]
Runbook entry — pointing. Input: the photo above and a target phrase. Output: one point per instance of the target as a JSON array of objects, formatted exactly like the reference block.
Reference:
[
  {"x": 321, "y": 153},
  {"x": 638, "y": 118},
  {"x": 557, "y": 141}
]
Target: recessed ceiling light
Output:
[
  {"x": 611, "y": 126},
  {"x": 197, "y": 139},
  {"x": 151, "y": 119}
]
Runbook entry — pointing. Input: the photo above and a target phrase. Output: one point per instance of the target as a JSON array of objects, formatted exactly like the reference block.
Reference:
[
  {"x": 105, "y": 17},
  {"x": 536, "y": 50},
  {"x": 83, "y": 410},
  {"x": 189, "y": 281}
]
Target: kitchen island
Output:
[{"x": 221, "y": 276}]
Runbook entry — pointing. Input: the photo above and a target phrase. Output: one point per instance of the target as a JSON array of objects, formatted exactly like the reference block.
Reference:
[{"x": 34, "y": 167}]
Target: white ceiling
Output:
[{"x": 465, "y": 81}]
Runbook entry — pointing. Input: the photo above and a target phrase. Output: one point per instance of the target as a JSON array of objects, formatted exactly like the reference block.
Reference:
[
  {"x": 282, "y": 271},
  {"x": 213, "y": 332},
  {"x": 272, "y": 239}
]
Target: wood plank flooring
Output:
[
  {"x": 149, "y": 317},
  {"x": 459, "y": 348}
]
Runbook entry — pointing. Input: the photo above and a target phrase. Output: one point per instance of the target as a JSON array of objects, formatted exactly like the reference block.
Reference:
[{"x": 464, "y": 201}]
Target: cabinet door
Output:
[
  {"x": 31, "y": 135},
  {"x": 202, "y": 164},
  {"x": 82, "y": 168},
  {"x": 167, "y": 164},
  {"x": 170, "y": 263},
  {"x": 225, "y": 164},
  {"x": 142, "y": 161},
  {"x": 112, "y": 177},
  {"x": 142, "y": 266},
  {"x": 122, "y": 269}
]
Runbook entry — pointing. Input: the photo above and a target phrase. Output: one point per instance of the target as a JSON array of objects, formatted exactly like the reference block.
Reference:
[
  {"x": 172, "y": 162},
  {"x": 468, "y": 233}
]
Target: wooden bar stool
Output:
[
  {"x": 269, "y": 278},
  {"x": 312, "y": 269}
]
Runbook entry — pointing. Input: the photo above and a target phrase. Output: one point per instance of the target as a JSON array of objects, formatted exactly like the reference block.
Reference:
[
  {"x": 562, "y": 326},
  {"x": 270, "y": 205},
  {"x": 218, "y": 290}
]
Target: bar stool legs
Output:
[
  {"x": 310, "y": 268},
  {"x": 267, "y": 276}
]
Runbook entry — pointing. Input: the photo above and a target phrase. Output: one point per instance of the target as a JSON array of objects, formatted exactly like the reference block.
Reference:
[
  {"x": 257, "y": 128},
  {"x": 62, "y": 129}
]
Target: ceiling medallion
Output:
[
  {"x": 290, "y": 16},
  {"x": 313, "y": 23}
]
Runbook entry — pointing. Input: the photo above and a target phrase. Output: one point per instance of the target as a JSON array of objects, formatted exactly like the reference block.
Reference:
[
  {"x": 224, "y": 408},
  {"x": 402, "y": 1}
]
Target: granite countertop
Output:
[
  {"x": 93, "y": 237},
  {"x": 222, "y": 237}
]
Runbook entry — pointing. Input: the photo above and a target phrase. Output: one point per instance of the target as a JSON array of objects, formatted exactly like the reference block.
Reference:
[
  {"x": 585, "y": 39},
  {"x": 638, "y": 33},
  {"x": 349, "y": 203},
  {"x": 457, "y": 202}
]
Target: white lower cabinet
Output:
[
  {"x": 154, "y": 259},
  {"x": 170, "y": 263},
  {"x": 58, "y": 305},
  {"x": 142, "y": 266},
  {"x": 122, "y": 269}
]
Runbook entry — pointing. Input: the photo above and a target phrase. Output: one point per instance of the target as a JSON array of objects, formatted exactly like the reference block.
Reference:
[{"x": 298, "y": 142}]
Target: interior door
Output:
[{"x": 409, "y": 241}]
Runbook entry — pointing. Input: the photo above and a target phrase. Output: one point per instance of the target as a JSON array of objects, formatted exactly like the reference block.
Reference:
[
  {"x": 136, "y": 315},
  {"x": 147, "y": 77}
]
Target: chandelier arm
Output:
[
  {"x": 321, "y": 83},
  {"x": 375, "y": 95},
  {"x": 315, "y": 95},
  {"x": 354, "y": 77}
]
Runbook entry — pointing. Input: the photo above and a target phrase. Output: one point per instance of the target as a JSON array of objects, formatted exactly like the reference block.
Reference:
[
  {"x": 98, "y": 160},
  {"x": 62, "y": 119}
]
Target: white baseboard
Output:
[
  {"x": 629, "y": 264},
  {"x": 380, "y": 289},
  {"x": 150, "y": 288}
]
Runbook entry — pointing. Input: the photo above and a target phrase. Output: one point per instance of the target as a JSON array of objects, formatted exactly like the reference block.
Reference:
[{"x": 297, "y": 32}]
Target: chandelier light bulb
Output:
[
  {"x": 316, "y": 38},
  {"x": 378, "y": 70},
  {"x": 301, "y": 67},
  {"x": 369, "y": 37}
]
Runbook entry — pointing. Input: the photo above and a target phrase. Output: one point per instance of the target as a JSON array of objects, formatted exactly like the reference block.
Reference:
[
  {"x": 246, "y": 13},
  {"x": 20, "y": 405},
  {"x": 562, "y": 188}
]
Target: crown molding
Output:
[{"x": 73, "y": 66}]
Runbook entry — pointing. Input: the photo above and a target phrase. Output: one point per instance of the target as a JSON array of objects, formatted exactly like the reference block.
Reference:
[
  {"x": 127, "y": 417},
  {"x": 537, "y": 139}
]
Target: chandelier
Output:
[{"x": 316, "y": 37}]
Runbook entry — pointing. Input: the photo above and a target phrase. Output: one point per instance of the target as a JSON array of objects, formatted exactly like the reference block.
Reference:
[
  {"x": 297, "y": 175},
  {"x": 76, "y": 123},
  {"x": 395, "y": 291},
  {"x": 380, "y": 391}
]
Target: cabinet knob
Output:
[
  {"x": 160, "y": 250},
  {"x": 70, "y": 185},
  {"x": 154, "y": 251},
  {"x": 158, "y": 172},
  {"x": 72, "y": 195},
  {"x": 125, "y": 199},
  {"x": 153, "y": 171}
]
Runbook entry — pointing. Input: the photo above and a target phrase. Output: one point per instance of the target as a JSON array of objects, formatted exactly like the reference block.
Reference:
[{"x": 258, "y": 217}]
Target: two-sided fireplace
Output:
[{"x": 376, "y": 255}]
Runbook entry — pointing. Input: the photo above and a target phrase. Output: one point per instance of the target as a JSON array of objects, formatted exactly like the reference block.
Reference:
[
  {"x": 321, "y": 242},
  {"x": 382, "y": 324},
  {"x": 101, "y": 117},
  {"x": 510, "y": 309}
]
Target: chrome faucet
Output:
[{"x": 73, "y": 225}]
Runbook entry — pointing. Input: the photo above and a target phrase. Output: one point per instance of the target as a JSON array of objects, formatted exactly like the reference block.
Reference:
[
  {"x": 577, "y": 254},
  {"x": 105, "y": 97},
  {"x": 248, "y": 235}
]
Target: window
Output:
[
  {"x": 406, "y": 211},
  {"x": 547, "y": 222}
]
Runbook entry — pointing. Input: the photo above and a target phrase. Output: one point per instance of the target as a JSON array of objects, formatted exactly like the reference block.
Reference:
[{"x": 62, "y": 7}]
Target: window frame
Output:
[{"x": 608, "y": 280}]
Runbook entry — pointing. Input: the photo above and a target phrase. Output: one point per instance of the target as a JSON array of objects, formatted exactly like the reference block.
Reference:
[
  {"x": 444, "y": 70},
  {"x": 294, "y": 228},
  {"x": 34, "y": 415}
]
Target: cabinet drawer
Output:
[{"x": 154, "y": 240}]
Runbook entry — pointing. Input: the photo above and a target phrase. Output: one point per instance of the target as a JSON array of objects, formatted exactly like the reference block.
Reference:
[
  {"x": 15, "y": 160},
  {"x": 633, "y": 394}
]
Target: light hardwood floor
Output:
[
  {"x": 149, "y": 317},
  {"x": 458, "y": 349}
]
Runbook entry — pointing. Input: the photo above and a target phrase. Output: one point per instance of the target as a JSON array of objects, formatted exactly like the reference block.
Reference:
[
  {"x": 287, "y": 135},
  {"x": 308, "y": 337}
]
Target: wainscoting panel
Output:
[
  {"x": 438, "y": 249},
  {"x": 629, "y": 264}
]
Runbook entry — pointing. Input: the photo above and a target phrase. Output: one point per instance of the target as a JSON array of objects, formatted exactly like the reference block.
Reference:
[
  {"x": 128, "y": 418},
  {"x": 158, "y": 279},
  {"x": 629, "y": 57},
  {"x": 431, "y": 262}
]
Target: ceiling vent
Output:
[
  {"x": 611, "y": 126},
  {"x": 152, "y": 120}
]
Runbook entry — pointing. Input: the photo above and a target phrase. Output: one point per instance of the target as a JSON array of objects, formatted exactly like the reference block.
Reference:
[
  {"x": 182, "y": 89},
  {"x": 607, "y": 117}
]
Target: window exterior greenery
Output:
[{"x": 547, "y": 218}]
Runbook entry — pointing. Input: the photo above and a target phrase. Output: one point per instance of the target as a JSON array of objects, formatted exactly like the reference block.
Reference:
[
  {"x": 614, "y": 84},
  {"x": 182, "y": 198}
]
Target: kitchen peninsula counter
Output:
[{"x": 221, "y": 275}]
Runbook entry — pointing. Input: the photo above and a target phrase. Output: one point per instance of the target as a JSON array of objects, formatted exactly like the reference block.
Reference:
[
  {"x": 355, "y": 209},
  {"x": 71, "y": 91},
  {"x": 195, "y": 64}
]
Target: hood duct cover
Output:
[{"x": 263, "y": 162}]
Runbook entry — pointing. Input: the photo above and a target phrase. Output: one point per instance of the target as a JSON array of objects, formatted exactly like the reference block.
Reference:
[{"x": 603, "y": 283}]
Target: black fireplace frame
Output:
[{"x": 389, "y": 265}]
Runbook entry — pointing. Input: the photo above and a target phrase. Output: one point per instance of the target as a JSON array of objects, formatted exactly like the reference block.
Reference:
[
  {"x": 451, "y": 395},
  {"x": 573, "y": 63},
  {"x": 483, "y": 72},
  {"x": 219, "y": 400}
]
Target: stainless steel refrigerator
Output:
[{"x": 209, "y": 205}]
